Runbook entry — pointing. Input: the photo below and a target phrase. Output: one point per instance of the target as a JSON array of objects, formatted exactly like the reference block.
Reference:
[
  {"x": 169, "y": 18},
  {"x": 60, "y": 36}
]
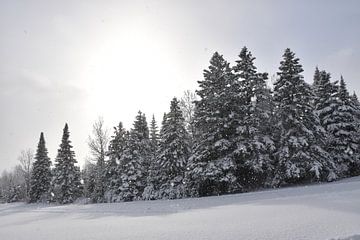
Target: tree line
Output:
[{"x": 235, "y": 135}]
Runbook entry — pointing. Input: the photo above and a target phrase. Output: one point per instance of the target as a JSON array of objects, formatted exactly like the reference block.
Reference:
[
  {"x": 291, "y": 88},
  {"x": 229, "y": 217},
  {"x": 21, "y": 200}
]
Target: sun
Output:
[{"x": 126, "y": 66}]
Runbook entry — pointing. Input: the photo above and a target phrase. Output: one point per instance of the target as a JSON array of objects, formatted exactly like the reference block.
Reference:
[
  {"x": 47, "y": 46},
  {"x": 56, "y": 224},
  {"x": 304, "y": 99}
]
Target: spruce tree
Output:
[
  {"x": 113, "y": 165},
  {"x": 325, "y": 104},
  {"x": 135, "y": 161},
  {"x": 254, "y": 143},
  {"x": 66, "y": 173},
  {"x": 356, "y": 106},
  {"x": 317, "y": 77},
  {"x": 41, "y": 174},
  {"x": 151, "y": 191},
  {"x": 300, "y": 137},
  {"x": 173, "y": 154},
  {"x": 211, "y": 168},
  {"x": 154, "y": 135},
  {"x": 344, "y": 144}
]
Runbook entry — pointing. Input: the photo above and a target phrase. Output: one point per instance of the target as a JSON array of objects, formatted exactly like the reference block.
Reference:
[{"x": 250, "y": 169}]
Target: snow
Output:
[{"x": 322, "y": 211}]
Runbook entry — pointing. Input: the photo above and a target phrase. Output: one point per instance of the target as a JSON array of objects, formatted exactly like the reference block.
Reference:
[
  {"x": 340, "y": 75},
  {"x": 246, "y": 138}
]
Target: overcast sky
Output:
[{"x": 72, "y": 61}]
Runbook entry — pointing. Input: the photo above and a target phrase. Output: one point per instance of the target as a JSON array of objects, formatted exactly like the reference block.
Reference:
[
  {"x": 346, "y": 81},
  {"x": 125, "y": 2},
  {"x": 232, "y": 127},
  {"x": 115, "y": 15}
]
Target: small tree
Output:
[
  {"x": 98, "y": 144},
  {"x": 113, "y": 165},
  {"x": 187, "y": 106},
  {"x": 26, "y": 159},
  {"x": 88, "y": 174},
  {"x": 154, "y": 135},
  {"x": 41, "y": 174}
]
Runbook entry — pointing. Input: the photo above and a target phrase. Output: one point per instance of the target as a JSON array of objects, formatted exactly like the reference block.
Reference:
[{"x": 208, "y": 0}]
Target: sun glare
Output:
[{"x": 126, "y": 65}]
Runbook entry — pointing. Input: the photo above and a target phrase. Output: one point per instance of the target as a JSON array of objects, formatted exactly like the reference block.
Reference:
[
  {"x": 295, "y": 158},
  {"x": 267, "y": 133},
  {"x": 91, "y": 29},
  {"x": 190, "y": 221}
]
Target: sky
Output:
[{"x": 75, "y": 61}]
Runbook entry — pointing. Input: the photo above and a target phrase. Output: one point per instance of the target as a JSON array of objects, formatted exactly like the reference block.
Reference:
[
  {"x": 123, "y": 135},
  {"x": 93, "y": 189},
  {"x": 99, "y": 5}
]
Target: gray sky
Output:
[{"x": 72, "y": 61}]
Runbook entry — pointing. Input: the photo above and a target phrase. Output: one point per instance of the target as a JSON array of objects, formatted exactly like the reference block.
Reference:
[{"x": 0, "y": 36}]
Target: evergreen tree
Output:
[
  {"x": 163, "y": 124},
  {"x": 344, "y": 142},
  {"x": 154, "y": 135},
  {"x": 88, "y": 174},
  {"x": 113, "y": 166},
  {"x": 151, "y": 191},
  {"x": 135, "y": 160},
  {"x": 324, "y": 100},
  {"x": 41, "y": 174},
  {"x": 173, "y": 154},
  {"x": 66, "y": 173},
  {"x": 325, "y": 103},
  {"x": 300, "y": 137},
  {"x": 317, "y": 77},
  {"x": 356, "y": 106},
  {"x": 254, "y": 143},
  {"x": 211, "y": 168}
]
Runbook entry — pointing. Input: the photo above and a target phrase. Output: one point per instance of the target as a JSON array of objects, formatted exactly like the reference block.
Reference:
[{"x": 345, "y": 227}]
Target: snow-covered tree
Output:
[
  {"x": 135, "y": 161},
  {"x": 88, "y": 175},
  {"x": 211, "y": 168},
  {"x": 317, "y": 78},
  {"x": 326, "y": 102},
  {"x": 324, "y": 99},
  {"x": 172, "y": 156},
  {"x": 12, "y": 185},
  {"x": 356, "y": 106},
  {"x": 300, "y": 138},
  {"x": 113, "y": 166},
  {"x": 344, "y": 141},
  {"x": 66, "y": 173},
  {"x": 151, "y": 191},
  {"x": 98, "y": 144},
  {"x": 187, "y": 107},
  {"x": 40, "y": 180},
  {"x": 254, "y": 143},
  {"x": 154, "y": 135},
  {"x": 26, "y": 159}
]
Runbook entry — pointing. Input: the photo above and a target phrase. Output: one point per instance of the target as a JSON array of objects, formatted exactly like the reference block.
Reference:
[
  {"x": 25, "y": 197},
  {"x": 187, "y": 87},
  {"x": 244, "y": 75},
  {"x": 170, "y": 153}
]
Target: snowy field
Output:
[{"x": 326, "y": 211}]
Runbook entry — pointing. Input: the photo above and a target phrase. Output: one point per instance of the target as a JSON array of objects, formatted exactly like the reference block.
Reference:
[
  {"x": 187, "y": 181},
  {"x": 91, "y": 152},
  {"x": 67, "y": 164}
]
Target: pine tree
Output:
[
  {"x": 66, "y": 173},
  {"x": 300, "y": 137},
  {"x": 173, "y": 154},
  {"x": 135, "y": 161},
  {"x": 41, "y": 174},
  {"x": 211, "y": 168},
  {"x": 254, "y": 141}
]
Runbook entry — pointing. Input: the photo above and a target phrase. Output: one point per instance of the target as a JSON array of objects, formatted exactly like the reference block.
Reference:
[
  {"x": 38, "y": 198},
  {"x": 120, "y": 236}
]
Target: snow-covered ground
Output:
[{"x": 324, "y": 211}]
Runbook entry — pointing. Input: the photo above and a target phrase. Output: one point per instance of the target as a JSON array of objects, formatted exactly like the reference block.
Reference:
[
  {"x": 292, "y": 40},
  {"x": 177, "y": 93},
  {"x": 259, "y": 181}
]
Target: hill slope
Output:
[{"x": 324, "y": 211}]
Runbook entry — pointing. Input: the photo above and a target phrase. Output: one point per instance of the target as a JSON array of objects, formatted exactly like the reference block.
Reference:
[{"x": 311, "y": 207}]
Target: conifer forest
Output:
[{"x": 236, "y": 133}]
